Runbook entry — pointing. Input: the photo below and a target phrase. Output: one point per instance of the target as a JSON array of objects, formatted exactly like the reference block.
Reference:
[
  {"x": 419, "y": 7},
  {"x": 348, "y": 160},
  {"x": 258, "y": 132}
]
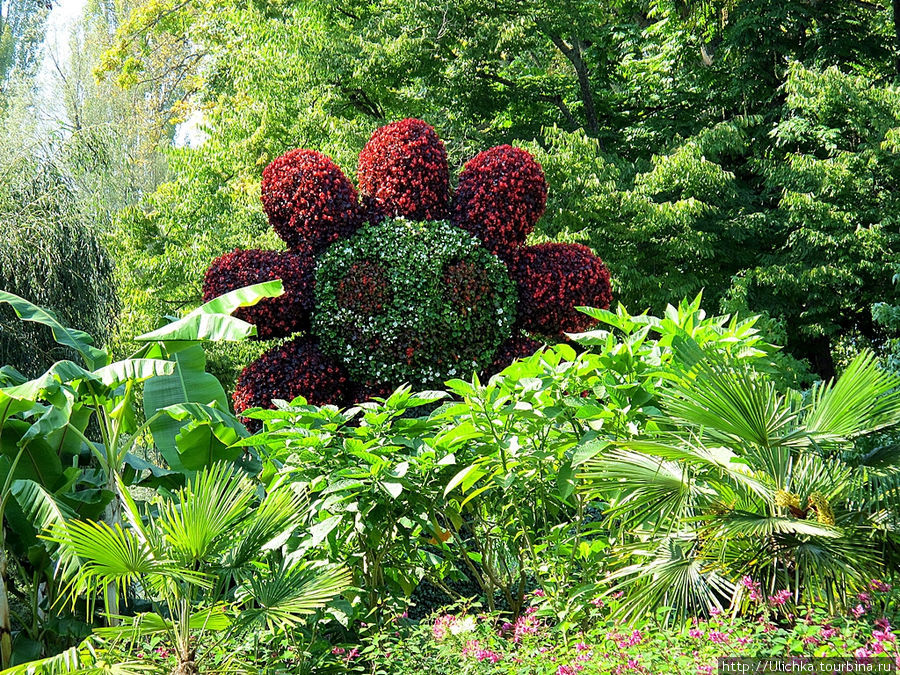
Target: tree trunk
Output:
[
  {"x": 896, "y": 8},
  {"x": 5, "y": 622},
  {"x": 113, "y": 517}
]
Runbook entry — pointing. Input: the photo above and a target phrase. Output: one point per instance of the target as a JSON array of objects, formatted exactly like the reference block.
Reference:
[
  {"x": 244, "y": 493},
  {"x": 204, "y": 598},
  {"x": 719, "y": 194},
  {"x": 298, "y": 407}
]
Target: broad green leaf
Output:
[
  {"x": 213, "y": 321},
  {"x": 78, "y": 340},
  {"x": 188, "y": 383}
]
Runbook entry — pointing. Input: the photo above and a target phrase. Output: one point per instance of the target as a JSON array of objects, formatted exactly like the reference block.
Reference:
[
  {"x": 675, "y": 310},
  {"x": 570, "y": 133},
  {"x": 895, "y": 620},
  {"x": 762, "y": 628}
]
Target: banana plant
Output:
[
  {"x": 44, "y": 422},
  {"x": 213, "y": 561}
]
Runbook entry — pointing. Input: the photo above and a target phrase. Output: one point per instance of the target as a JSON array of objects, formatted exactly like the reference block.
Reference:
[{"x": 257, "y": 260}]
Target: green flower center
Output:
[{"x": 418, "y": 302}]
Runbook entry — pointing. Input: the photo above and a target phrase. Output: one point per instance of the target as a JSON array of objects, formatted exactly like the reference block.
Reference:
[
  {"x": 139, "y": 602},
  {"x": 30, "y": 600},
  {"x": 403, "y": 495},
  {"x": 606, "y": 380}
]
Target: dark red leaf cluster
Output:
[
  {"x": 516, "y": 347},
  {"x": 273, "y": 317},
  {"x": 501, "y": 195},
  {"x": 403, "y": 171},
  {"x": 553, "y": 279},
  {"x": 364, "y": 289},
  {"x": 309, "y": 201},
  {"x": 466, "y": 285},
  {"x": 296, "y": 368}
]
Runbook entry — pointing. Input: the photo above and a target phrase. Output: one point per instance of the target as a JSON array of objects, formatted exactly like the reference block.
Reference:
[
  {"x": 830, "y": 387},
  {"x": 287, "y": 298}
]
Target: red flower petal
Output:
[
  {"x": 403, "y": 171},
  {"x": 501, "y": 195},
  {"x": 274, "y": 317},
  {"x": 553, "y": 279},
  {"x": 309, "y": 201},
  {"x": 296, "y": 368}
]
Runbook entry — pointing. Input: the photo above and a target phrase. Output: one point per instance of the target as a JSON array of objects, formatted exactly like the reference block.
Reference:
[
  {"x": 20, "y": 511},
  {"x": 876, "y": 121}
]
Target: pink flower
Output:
[
  {"x": 879, "y": 586},
  {"x": 865, "y": 598},
  {"x": 780, "y": 598},
  {"x": 695, "y": 633},
  {"x": 352, "y": 654},
  {"x": 487, "y": 655},
  {"x": 704, "y": 670},
  {"x": 828, "y": 632},
  {"x": 597, "y": 602},
  {"x": 753, "y": 588},
  {"x": 718, "y": 637},
  {"x": 566, "y": 670},
  {"x": 863, "y": 654},
  {"x": 858, "y": 611},
  {"x": 337, "y": 651},
  {"x": 744, "y": 640},
  {"x": 715, "y": 611},
  {"x": 618, "y": 594},
  {"x": 526, "y": 624},
  {"x": 442, "y": 626},
  {"x": 470, "y": 648},
  {"x": 883, "y": 636},
  {"x": 539, "y": 593},
  {"x": 581, "y": 647},
  {"x": 883, "y": 623},
  {"x": 811, "y": 640}
]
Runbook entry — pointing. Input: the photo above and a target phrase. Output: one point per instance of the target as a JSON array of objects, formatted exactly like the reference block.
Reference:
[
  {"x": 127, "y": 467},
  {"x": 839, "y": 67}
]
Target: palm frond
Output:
[
  {"x": 732, "y": 404},
  {"x": 289, "y": 593},
  {"x": 197, "y": 524},
  {"x": 279, "y": 514},
  {"x": 112, "y": 557},
  {"x": 864, "y": 399},
  {"x": 672, "y": 576},
  {"x": 640, "y": 487}
]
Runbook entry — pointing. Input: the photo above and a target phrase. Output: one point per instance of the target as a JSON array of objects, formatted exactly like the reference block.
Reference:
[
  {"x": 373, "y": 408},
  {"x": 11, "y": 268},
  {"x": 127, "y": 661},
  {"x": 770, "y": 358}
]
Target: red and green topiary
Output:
[
  {"x": 273, "y": 317},
  {"x": 419, "y": 293}
]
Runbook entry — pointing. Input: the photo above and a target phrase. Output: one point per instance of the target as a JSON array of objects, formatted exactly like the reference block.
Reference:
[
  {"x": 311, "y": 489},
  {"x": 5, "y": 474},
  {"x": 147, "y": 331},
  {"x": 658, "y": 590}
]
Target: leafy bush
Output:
[{"x": 49, "y": 255}]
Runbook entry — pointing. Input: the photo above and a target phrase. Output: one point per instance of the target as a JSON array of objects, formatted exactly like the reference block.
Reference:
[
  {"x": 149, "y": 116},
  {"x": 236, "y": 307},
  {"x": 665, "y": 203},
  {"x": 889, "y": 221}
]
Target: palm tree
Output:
[
  {"x": 744, "y": 479},
  {"x": 213, "y": 563}
]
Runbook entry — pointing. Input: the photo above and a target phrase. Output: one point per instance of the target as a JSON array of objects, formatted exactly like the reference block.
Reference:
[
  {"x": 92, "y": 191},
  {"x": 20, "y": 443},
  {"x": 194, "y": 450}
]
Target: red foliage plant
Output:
[
  {"x": 293, "y": 369},
  {"x": 309, "y": 201},
  {"x": 273, "y": 317},
  {"x": 501, "y": 195},
  {"x": 403, "y": 171},
  {"x": 553, "y": 280}
]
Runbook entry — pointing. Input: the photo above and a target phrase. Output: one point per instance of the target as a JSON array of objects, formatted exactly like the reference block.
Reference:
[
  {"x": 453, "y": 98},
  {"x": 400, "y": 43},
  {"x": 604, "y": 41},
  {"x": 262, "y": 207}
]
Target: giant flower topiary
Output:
[{"x": 407, "y": 283}]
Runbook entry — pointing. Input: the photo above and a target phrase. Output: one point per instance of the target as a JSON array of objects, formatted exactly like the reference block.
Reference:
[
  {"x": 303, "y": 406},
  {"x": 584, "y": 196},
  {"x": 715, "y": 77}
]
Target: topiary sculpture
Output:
[{"x": 407, "y": 284}]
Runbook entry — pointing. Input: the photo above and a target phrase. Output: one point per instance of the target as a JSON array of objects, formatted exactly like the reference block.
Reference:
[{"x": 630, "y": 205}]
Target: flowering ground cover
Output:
[{"x": 462, "y": 640}]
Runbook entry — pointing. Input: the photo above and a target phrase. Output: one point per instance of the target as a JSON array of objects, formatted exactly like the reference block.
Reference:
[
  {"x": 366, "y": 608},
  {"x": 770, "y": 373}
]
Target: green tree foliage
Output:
[
  {"x": 50, "y": 256},
  {"x": 744, "y": 148}
]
